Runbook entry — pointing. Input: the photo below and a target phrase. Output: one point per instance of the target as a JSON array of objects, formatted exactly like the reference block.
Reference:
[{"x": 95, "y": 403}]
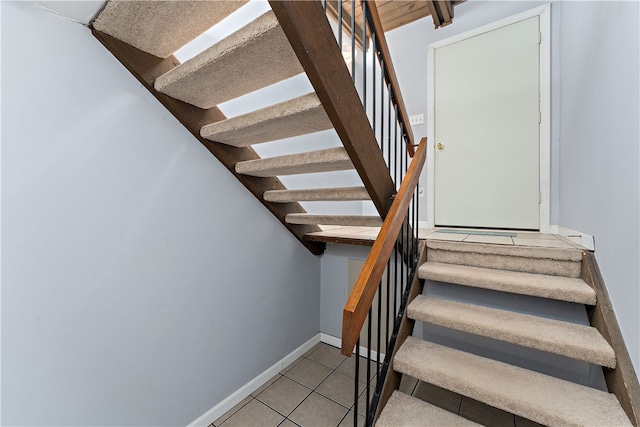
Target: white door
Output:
[{"x": 486, "y": 129}]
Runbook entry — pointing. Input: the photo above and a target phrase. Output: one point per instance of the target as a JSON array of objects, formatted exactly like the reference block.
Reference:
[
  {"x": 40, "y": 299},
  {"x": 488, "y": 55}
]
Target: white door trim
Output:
[{"x": 544, "y": 12}]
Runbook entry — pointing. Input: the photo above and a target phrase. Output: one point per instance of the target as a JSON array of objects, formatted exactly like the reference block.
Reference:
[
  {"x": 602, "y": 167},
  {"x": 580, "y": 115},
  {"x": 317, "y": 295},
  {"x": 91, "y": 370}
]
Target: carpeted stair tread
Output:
[
  {"x": 317, "y": 194},
  {"x": 566, "y": 339},
  {"x": 253, "y": 57},
  {"x": 332, "y": 159},
  {"x": 298, "y": 116},
  {"x": 527, "y": 259},
  {"x": 532, "y": 395},
  {"x": 344, "y": 220},
  {"x": 537, "y": 285},
  {"x": 161, "y": 27},
  {"x": 403, "y": 410}
]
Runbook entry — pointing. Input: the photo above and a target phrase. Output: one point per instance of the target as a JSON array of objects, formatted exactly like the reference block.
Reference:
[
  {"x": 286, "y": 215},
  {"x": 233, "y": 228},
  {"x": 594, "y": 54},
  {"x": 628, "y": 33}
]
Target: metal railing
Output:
[{"x": 379, "y": 297}]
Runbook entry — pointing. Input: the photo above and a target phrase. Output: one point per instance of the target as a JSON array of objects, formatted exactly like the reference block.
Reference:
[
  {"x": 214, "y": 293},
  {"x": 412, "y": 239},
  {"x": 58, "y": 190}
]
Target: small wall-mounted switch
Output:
[{"x": 418, "y": 119}]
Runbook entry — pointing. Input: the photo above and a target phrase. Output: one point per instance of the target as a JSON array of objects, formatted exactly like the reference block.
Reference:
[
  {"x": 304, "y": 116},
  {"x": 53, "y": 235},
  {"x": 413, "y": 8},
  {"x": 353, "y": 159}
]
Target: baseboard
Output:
[
  {"x": 217, "y": 411},
  {"x": 583, "y": 239},
  {"x": 337, "y": 342}
]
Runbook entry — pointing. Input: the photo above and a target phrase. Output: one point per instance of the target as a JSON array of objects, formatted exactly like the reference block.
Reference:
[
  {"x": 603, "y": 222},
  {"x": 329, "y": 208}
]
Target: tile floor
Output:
[
  {"x": 317, "y": 390},
  {"x": 522, "y": 238}
]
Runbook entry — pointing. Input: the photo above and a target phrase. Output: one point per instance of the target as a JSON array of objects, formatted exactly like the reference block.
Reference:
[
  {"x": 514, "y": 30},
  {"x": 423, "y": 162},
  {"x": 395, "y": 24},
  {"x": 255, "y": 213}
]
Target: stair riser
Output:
[{"x": 524, "y": 264}]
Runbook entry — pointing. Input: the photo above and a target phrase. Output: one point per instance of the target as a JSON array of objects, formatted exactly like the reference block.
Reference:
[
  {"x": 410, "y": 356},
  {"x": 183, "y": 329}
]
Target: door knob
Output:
[{"x": 440, "y": 146}]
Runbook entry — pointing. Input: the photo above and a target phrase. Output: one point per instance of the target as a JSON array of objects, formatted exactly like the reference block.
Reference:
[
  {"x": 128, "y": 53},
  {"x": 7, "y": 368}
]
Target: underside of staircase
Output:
[
  {"x": 143, "y": 35},
  {"x": 564, "y": 275}
]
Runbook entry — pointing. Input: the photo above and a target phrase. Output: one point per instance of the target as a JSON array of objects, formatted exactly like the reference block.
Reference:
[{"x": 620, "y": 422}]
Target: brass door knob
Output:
[{"x": 440, "y": 146}]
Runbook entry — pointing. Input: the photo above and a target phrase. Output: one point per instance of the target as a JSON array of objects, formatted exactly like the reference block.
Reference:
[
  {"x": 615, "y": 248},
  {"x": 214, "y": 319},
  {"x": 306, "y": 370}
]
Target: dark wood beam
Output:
[
  {"x": 146, "y": 68},
  {"x": 308, "y": 30},
  {"x": 622, "y": 381}
]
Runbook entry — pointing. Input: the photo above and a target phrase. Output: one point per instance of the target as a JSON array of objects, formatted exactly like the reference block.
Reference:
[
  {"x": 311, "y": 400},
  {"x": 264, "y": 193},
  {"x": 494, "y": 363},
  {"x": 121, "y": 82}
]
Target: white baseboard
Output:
[
  {"x": 337, "y": 342},
  {"x": 217, "y": 411},
  {"x": 583, "y": 239}
]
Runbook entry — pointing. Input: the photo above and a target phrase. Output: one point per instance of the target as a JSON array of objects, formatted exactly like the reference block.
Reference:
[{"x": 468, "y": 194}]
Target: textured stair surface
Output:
[
  {"x": 537, "y": 285},
  {"x": 254, "y": 57},
  {"x": 345, "y": 220},
  {"x": 550, "y": 261},
  {"x": 317, "y": 194},
  {"x": 402, "y": 410},
  {"x": 538, "y": 397},
  {"x": 332, "y": 159},
  {"x": 298, "y": 116},
  {"x": 161, "y": 27},
  {"x": 553, "y": 336}
]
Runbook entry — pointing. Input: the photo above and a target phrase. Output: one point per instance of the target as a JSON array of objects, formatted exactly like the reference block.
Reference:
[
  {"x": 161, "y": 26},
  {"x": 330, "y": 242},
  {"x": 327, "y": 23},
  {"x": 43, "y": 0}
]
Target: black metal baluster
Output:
[
  {"x": 357, "y": 382},
  {"x": 388, "y": 298},
  {"x": 388, "y": 129},
  {"x": 353, "y": 40},
  {"x": 368, "y": 386},
  {"x": 379, "y": 333},
  {"x": 373, "y": 85},
  {"x": 340, "y": 24}
]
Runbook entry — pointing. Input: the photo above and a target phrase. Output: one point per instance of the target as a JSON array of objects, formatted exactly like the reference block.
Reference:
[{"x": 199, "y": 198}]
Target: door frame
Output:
[{"x": 544, "y": 12}]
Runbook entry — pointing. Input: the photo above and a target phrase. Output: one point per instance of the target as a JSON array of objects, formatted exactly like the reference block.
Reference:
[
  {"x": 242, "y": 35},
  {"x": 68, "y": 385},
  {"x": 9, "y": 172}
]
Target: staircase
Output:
[
  {"x": 143, "y": 35},
  {"x": 545, "y": 273},
  {"x": 293, "y": 38}
]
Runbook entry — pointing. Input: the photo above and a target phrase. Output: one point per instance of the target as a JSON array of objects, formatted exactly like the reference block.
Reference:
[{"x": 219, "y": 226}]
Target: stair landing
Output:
[{"x": 365, "y": 236}]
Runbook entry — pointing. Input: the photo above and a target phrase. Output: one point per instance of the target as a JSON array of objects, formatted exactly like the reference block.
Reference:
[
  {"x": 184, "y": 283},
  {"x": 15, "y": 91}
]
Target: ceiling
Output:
[{"x": 393, "y": 13}]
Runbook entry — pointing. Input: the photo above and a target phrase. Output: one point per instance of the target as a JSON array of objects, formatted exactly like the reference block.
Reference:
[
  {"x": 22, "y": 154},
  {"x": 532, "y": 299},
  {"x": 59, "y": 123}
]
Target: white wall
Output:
[
  {"x": 141, "y": 283},
  {"x": 594, "y": 129}
]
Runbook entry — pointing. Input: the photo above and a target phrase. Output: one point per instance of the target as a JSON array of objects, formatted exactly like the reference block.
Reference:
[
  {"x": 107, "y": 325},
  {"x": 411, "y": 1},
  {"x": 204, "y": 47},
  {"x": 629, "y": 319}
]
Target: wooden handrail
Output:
[
  {"x": 357, "y": 307},
  {"x": 306, "y": 26},
  {"x": 389, "y": 71}
]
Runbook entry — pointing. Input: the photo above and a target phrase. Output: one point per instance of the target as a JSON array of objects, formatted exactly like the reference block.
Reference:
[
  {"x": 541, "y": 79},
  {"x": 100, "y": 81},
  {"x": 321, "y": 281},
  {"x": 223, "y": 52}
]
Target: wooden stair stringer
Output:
[{"x": 147, "y": 68}]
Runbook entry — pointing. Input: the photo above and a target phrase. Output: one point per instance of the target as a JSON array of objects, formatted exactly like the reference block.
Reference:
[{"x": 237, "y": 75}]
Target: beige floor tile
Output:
[
  {"x": 308, "y": 373},
  {"x": 327, "y": 355},
  {"x": 265, "y": 385},
  {"x": 317, "y": 410},
  {"x": 485, "y": 414},
  {"x": 232, "y": 411},
  {"x": 347, "y": 421},
  {"x": 312, "y": 349},
  {"x": 437, "y": 396},
  {"x": 254, "y": 414},
  {"x": 284, "y": 395},
  {"x": 348, "y": 367},
  {"x": 340, "y": 388},
  {"x": 534, "y": 235},
  {"x": 523, "y": 422},
  {"x": 424, "y": 232},
  {"x": 292, "y": 365},
  {"x": 571, "y": 242},
  {"x": 543, "y": 243},
  {"x": 288, "y": 423},
  {"x": 447, "y": 236},
  {"x": 362, "y": 401},
  {"x": 495, "y": 240}
]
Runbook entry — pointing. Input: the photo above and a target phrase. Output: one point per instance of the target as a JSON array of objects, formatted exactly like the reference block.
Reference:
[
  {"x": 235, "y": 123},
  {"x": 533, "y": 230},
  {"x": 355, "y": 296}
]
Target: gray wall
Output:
[
  {"x": 599, "y": 145},
  {"x": 141, "y": 283},
  {"x": 594, "y": 129}
]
